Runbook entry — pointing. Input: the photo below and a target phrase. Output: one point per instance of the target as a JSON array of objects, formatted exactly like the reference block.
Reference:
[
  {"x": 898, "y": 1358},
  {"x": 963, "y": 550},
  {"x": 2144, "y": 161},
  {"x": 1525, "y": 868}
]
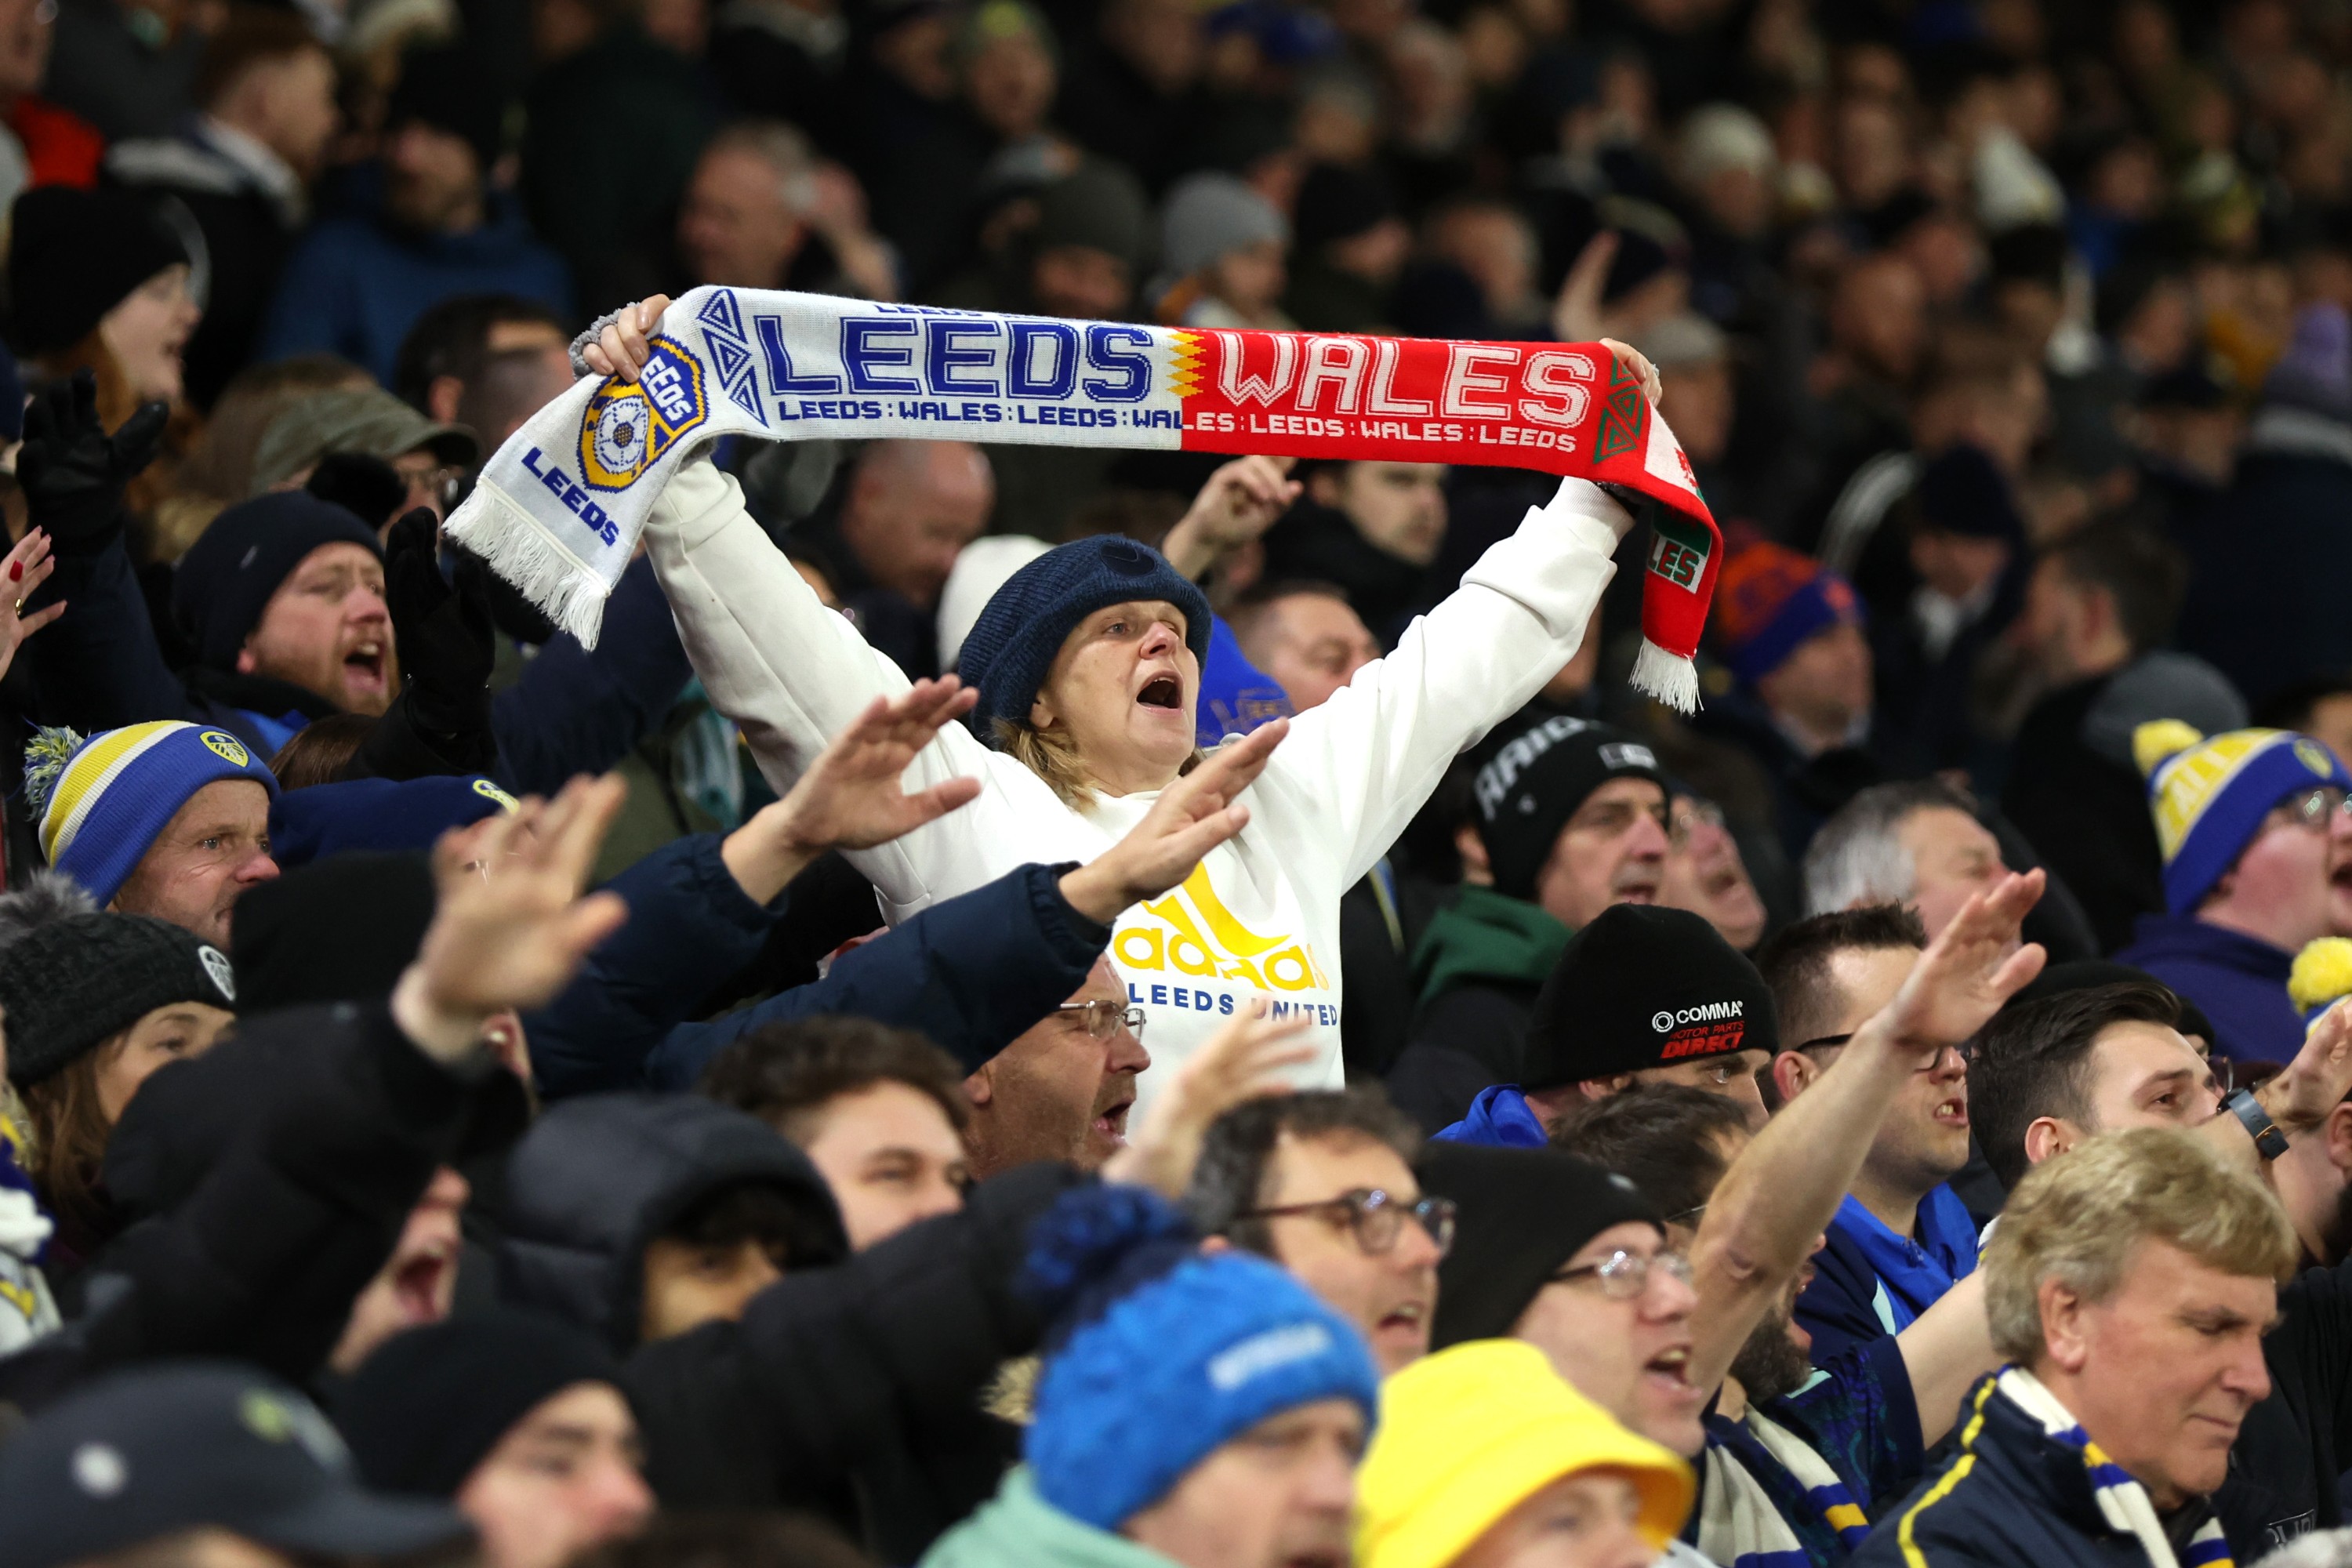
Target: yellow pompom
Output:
[
  {"x": 2160, "y": 739},
  {"x": 2322, "y": 973}
]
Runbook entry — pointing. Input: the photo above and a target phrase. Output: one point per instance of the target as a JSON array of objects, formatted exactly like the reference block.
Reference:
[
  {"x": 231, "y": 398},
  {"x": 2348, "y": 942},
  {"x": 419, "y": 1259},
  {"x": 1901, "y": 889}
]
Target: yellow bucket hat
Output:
[{"x": 1469, "y": 1434}]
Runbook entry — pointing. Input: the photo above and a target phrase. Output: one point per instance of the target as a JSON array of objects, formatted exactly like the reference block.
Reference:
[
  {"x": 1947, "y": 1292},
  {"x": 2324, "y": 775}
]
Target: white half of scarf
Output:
[
  {"x": 1740, "y": 1525},
  {"x": 2123, "y": 1501}
]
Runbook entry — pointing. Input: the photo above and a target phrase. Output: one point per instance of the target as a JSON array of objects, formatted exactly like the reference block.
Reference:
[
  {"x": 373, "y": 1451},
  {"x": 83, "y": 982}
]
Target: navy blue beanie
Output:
[
  {"x": 226, "y": 579},
  {"x": 1158, "y": 1353},
  {"x": 1012, "y": 644},
  {"x": 1962, "y": 492}
]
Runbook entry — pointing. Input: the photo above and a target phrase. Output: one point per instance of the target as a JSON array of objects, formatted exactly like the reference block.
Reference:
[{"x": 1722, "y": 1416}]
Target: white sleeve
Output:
[
  {"x": 1370, "y": 756},
  {"x": 790, "y": 672}
]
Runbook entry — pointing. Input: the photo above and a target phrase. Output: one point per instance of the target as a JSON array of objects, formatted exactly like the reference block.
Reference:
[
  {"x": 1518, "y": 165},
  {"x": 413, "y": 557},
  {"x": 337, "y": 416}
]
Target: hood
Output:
[
  {"x": 1018, "y": 1529},
  {"x": 599, "y": 1177},
  {"x": 1486, "y": 936}
]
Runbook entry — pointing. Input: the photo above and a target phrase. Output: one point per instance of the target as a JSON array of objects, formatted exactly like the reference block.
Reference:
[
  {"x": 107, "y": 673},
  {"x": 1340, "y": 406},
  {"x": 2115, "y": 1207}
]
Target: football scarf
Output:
[
  {"x": 2123, "y": 1501},
  {"x": 1743, "y": 1523},
  {"x": 559, "y": 509}
]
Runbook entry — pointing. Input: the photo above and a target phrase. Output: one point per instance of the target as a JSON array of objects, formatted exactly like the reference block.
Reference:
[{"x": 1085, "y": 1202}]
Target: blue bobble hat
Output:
[
  {"x": 2210, "y": 796},
  {"x": 1161, "y": 1354},
  {"x": 102, "y": 800},
  {"x": 1012, "y": 644}
]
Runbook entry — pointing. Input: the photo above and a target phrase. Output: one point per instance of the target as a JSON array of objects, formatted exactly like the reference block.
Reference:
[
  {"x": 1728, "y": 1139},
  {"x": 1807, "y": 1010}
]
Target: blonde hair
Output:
[
  {"x": 1053, "y": 756},
  {"x": 2080, "y": 1217}
]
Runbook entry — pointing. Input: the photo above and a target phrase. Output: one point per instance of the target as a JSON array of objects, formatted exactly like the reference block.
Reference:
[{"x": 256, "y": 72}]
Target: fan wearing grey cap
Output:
[
  {"x": 1571, "y": 820},
  {"x": 232, "y": 1469},
  {"x": 1641, "y": 995},
  {"x": 1224, "y": 247},
  {"x": 92, "y": 1003}
]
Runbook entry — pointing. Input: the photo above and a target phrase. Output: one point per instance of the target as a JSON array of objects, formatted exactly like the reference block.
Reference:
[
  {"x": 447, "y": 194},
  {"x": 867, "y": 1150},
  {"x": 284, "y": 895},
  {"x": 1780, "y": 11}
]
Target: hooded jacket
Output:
[
  {"x": 599, "y": 1177},
  {"x": 1478, "y": 968},
  {"x": 1018, "y": 1529},
  {"x": 2239, "y": 980}
]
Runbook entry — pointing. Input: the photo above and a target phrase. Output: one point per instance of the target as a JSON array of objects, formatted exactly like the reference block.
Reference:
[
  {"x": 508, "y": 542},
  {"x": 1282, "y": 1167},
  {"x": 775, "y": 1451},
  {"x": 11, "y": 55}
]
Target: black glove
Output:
[
  {"x": 447, "y": 641},
  {"x": 73, "y": 472}
]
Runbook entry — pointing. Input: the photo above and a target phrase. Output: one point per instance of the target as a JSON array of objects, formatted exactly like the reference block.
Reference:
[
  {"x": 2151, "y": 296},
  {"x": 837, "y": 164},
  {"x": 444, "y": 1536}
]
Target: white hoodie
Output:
[{"x": 1260, "y": 915}]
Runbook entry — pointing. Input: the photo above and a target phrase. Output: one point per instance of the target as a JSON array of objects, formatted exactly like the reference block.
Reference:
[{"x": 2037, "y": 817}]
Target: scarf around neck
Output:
[
  {"x": 2123, "y": 1502},
  {"x": 558, "y": 511}
]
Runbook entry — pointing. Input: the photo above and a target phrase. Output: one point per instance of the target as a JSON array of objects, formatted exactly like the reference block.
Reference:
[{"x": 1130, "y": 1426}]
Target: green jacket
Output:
[
  {"x": 1489, "y": 937},
  {"x": 1018, "y": 1529}
]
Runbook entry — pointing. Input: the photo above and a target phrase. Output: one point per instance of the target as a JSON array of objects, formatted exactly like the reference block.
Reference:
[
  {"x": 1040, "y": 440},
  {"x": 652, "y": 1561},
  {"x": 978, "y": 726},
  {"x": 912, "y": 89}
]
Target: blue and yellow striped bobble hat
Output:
[
  {"x": 102, "y": 800},
  {"x": 2210, "y": 796}
]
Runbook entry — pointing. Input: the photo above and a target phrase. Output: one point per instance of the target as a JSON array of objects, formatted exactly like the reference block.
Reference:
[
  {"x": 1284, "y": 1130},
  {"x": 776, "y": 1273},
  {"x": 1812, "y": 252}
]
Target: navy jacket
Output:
[
  {"x": 970, "y": 973},
  {"x": 574, "y": 711},
  {"x": 1851, "y": 1302},
  {"x": 2239, "y": 980},
  {"x": 2015, "y": 1497}
]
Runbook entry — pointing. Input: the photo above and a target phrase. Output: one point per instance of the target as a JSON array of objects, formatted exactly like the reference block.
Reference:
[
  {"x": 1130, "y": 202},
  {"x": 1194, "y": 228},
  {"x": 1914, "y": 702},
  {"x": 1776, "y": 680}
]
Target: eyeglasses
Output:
[
  {"x": 1377, "y": 1217},
  {"x": 1625, "y": 1275},
  {"x": 1690, "y": 815},
  {"x": 1102, "y": 1019},
  {"x": 2313, "y": 808}
]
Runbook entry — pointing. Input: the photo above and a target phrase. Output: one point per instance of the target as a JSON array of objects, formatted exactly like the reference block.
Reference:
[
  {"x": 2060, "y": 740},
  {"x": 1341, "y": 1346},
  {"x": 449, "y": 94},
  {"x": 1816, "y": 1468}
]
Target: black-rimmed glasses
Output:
[{"x": 1376, "y": 1218}]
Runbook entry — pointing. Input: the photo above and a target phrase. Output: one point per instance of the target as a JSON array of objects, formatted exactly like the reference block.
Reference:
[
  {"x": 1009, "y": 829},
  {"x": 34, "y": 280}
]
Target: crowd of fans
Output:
[{"x": 1046, "y": 1006}]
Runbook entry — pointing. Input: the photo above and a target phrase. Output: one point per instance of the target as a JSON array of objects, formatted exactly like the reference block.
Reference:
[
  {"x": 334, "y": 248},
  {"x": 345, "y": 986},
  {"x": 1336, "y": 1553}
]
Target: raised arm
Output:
[
  {"x": 1370, "y": 756},
  {"x": 1772, "y": 1205}
]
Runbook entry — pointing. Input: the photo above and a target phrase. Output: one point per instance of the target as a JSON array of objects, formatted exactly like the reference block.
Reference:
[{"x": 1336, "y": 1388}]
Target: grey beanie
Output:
[
  {"x": 69, "y": 985},
  {"x": 1211, "y": 216}
]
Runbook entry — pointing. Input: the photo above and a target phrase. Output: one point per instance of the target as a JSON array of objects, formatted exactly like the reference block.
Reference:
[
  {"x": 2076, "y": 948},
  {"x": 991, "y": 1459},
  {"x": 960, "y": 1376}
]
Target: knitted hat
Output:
[
  {"x": 1961, "y": 492},
  {"x": 428, "y": 1407},
  {"x": 328, "y": 819},
  {"x": 1640, "y": 987},
  {"x": 364, "y": 419},
  {"x": 226, "y": 578},
  {"x": 1098, "y": 207},
  {"x": 1161, "y": 1354},
  {"x": 1337, "y": 202},
  {"x": 1012, "y": 645},
  {"x": 447, "y": 88},
  {"x": 1208, "y": 216},
  {"x": 339, "y": 931},
  {"x": 1521, "y": 1213},
  {"x": 69, "y": 986},
  {"x": 102, "y": 800},
  {"x": 1770, "y": 600},
  {"x": 75, "y": 255},
  {"x": 1535, "y": 780},
  {"x": 2209, "y": 796},
  {"x": 1471, "y": 1433}
]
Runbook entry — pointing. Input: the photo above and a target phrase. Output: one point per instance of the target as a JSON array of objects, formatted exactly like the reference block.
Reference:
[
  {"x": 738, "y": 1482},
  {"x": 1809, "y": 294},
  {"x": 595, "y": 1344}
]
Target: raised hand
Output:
[
  {"x": 1575, "y": 312},
  {"x": 26, "y": 568},
  {"x": 621, "y": 347},
  {"x": 509, "y": 927},
  {"x": 446, "y": 640},
  {"x": 1240, "y": 503},
  {"x": 1973, "y": 966},
  {"x": 73, "y": 472},
  {"x": 2312, "y": 1085},
  {"x": 853, "y": 797},
  {"x": 1192, "y": 817},
  {"x": 1247, "y": 1059}
]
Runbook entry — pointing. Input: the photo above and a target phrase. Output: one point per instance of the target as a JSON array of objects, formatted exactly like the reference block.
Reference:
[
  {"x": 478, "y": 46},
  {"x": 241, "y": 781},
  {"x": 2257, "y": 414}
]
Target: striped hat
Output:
[
  {"x": 102, "y": 800},
  {"x": 2210, "y": 796}
]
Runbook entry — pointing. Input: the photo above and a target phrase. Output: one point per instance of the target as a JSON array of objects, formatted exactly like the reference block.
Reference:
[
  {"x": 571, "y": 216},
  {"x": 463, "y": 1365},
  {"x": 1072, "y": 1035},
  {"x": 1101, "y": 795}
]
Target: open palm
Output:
[
  {"x": 1973, "y": 966},
  {"x": 855, "y": 797}
]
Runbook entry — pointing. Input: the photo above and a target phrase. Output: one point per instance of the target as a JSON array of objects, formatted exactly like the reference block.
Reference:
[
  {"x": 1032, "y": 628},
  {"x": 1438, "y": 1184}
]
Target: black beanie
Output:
[
  {"x": 1521, "y": 1213},
  {"x": 67, "y": 985},
  {"x": 1640, "y": 987},
  {"x": 226, "y": 579},
  {"x": 1336, "y": 202},
  {"x": 75, "y": 255},
  {"x": 1533, "y": 782},
  {"x": 338, "y": 929},
  {"x": 447, "y": 88},
  {"x": 430, "y": 1404}
]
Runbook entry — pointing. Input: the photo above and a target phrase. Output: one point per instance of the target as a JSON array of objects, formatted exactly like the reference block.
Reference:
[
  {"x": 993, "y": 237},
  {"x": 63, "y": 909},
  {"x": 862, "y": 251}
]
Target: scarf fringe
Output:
[
  {"x": 1669, "y": 677},
  {"x": 565, "y": 588}
]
